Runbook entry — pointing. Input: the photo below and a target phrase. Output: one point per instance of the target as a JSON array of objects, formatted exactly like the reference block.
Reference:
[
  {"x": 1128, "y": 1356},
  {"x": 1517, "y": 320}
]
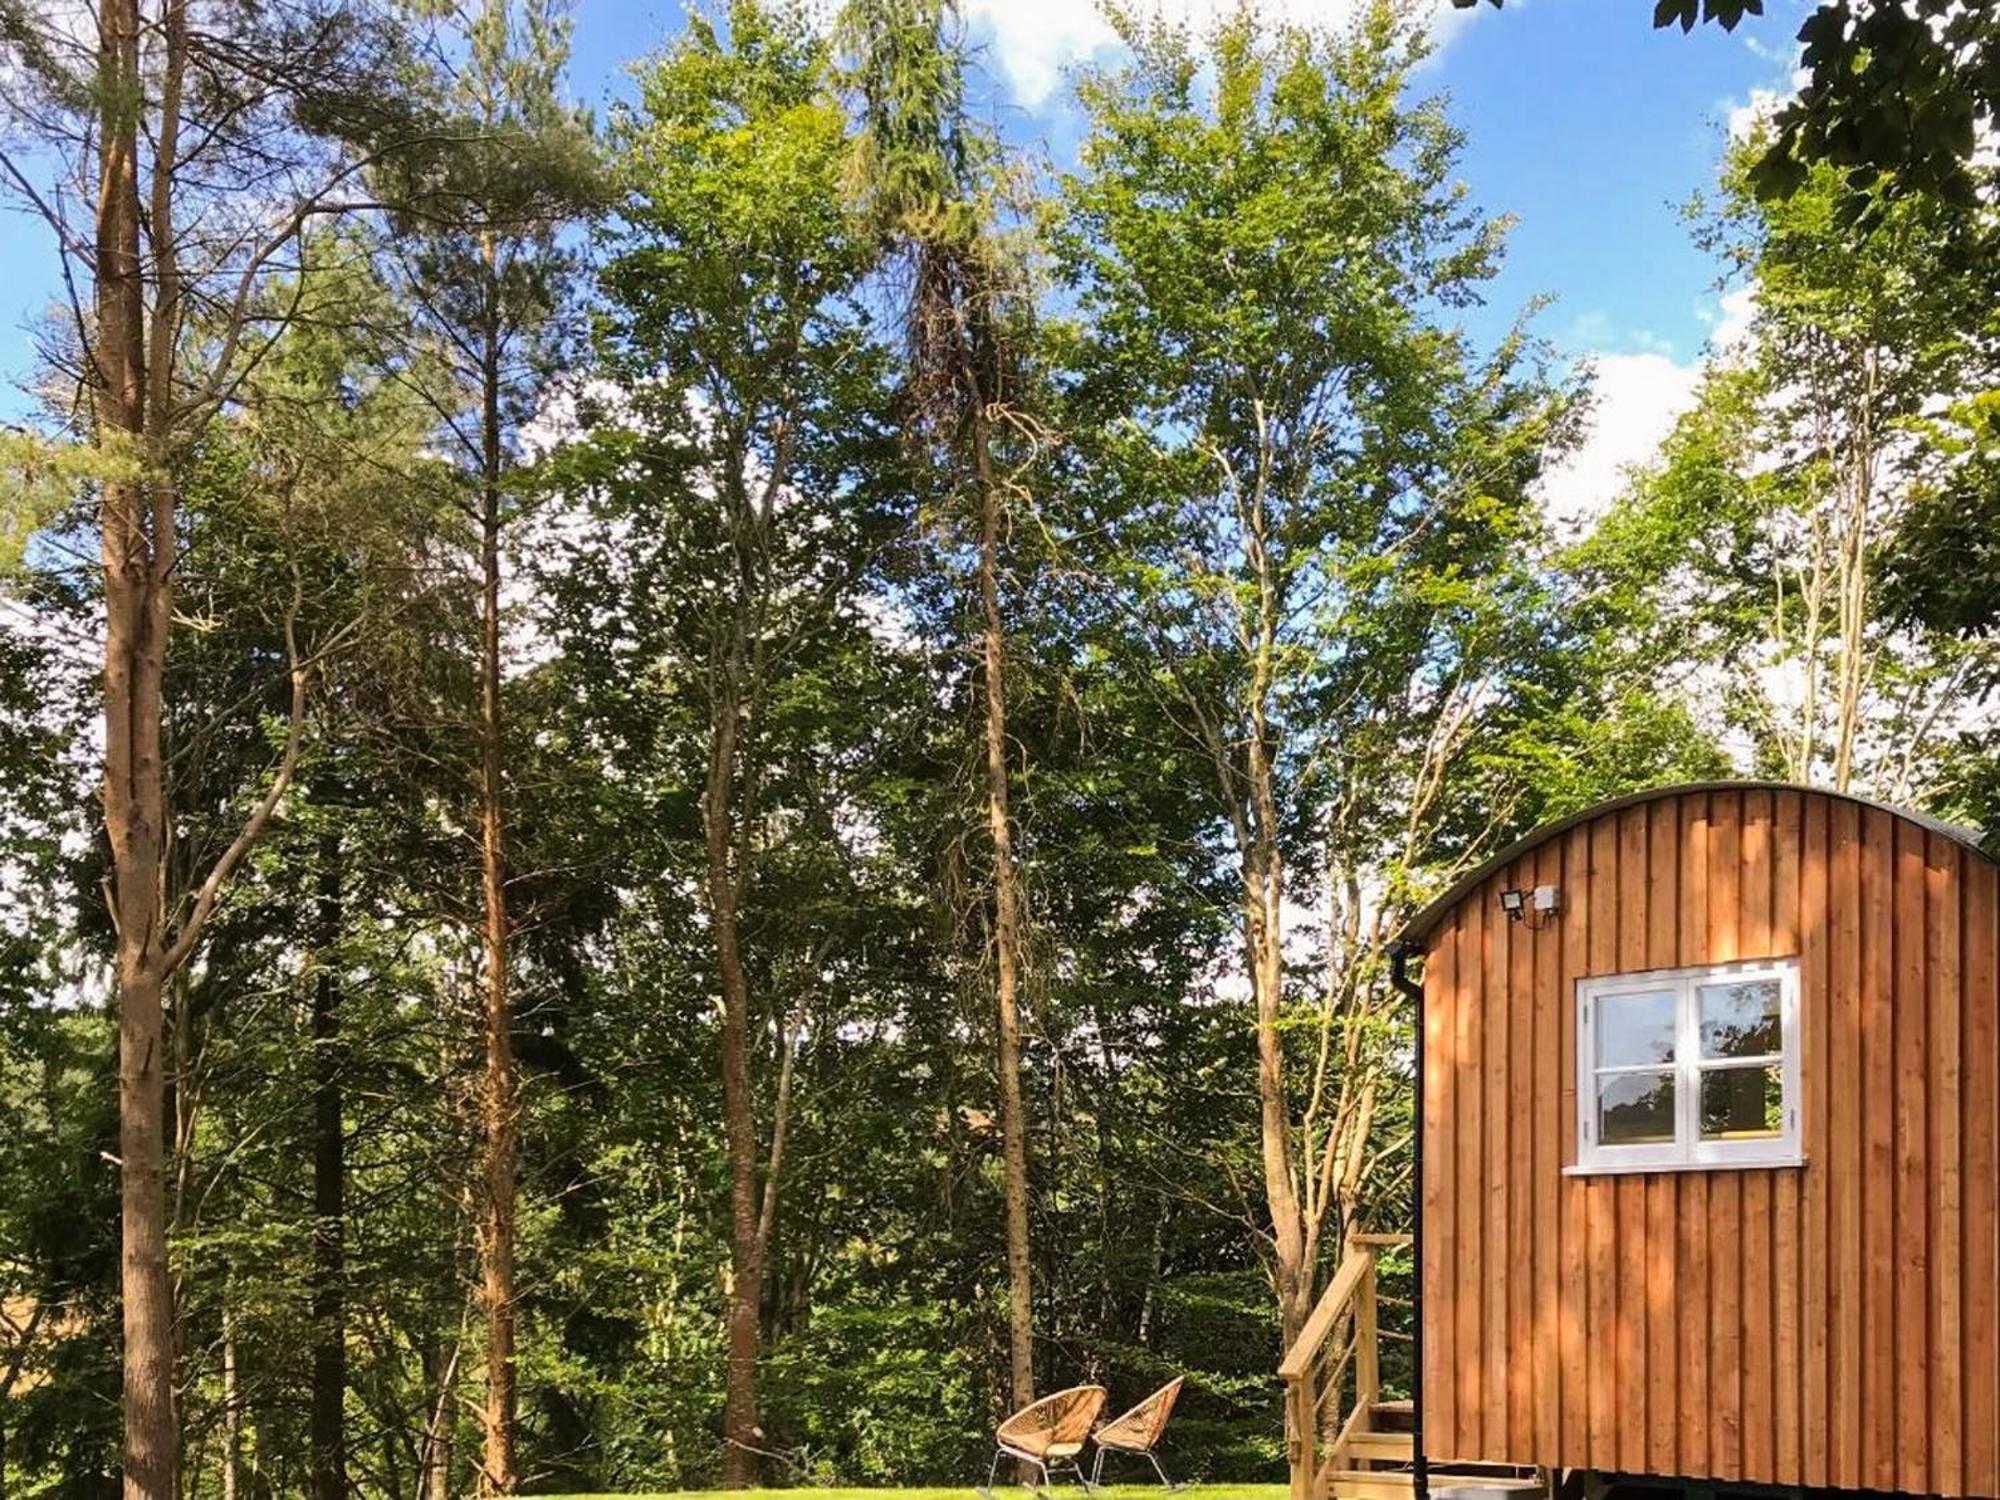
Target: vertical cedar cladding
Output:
[{"x": 1836, "y": 1324}]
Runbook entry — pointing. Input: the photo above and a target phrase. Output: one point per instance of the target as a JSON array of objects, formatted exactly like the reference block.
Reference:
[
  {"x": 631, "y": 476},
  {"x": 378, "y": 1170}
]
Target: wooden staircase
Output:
[{"x": 1343, "y": 1440}]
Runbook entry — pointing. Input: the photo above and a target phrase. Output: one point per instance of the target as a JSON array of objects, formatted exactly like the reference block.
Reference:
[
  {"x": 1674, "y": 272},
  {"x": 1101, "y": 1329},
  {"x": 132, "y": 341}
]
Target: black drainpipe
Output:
[{"x": 1400, "y": 953}]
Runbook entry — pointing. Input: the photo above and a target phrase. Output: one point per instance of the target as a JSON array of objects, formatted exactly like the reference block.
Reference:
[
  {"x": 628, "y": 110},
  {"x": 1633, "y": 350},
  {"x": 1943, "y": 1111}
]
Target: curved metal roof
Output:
[{"x": 1420, "y": 925}]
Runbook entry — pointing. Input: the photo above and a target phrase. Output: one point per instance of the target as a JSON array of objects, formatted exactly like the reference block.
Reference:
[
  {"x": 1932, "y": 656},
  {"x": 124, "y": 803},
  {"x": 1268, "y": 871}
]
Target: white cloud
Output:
[
  {"x": 1595, "y": 329},
  {"x": 1730, "y": 322},
  {"x": 1782, "y": 57},
  {"x": 1637, "y": 399},
  {"x": 1033, "y": 41},
  {"x": 1746, "y": 117}
]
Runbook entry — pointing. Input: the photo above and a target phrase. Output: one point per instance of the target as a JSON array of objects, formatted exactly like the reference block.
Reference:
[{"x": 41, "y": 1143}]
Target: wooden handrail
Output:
[
  {"x": 1311, "y": 1381},
  {"x": 1332, "y": 1303}
]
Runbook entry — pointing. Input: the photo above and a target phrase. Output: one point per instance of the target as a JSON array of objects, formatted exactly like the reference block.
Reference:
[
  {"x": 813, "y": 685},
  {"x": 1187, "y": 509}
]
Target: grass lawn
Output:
[{"x": 1002, "y": 1492}]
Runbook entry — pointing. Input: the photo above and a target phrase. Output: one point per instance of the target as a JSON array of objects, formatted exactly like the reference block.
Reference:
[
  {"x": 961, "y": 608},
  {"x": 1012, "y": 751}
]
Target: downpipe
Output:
[{"x": 1400, "y": 953}]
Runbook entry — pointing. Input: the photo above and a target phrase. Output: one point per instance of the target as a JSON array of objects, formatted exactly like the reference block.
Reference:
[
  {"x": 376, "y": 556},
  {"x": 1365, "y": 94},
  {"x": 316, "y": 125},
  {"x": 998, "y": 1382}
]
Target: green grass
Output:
[{"x": 1003, "y": 1492}]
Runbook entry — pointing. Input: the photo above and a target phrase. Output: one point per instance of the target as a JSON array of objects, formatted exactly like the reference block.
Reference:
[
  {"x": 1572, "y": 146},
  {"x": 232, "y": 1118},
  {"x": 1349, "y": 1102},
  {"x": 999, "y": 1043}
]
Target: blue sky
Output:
[{"x": 1582, "y": 121}]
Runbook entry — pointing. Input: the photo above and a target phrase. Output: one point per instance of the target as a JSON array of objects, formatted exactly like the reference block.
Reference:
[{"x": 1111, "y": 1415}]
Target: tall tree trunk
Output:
[
  {"x": 496, "y": 1240},
  {"x": 328, "y": 1442},
  {"x": 1264, "y": 939},
  {"x": 434, "y": 1457},
  {"x": 1006, "y": 926},
  {"x": 135, "y": 361},
  {"x": 232, "y": 1409},
  {"x": 742, "y": 1435},
  {"x": 134, "y": 814},
  {"x": 1263, "y": 875},
  {"x": 1155, "y": 1257},
  {"x": 1854, "y": 581},
  {"x": 137, "y": 535}
]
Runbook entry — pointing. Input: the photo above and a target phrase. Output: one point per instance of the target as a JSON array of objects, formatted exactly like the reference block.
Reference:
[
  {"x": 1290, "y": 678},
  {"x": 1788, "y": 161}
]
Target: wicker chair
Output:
[
  {"x": 1139, "y": 1431},
  {"x": 1049, "y": 1433}
]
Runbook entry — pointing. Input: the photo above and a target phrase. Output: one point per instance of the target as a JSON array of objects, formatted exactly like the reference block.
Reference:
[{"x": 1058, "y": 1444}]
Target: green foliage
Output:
[
  {"x": 1895, "y": 99},
  {"x": 916, "y": 158},
  {"x": 1772, "y": 551},
  {"x": 1942, "y": 573},
  {"x": 1280, "y": 422},
  {"x": 1275, "y": 492},
  {"x": 876, "y": 1392},
  {"x": 38, "y": 479}
]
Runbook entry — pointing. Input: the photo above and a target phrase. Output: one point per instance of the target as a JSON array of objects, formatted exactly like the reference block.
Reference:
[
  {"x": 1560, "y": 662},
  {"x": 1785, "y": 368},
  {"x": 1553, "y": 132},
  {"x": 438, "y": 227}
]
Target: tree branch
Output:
[{"x": 253, "y": 827}]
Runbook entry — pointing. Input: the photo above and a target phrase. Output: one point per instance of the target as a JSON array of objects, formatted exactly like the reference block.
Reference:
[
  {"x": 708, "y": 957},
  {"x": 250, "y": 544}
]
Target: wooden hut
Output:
[{"x": 1709, "y": 1189}]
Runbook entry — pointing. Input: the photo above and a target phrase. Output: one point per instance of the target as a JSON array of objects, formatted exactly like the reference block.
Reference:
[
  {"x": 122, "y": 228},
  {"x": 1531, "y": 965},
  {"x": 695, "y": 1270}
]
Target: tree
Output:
[
  {"x": 922, "y": 180},
  {"x": 1757, "y": 547},
  {"x": 166, "y": 127},
  {"x": 339, "y": 436},
  {"x": 743, "y": 465},
  {"x": 58, "y": 1243},
  {"x": 488, "y": 278},
  {"x": 1307, "y": 528}
]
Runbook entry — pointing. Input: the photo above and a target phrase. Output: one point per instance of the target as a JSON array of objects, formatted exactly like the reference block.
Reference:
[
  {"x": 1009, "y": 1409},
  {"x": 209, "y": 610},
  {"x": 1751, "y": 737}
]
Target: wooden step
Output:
[
  {"x": 1372, "y": 1484},
  {"x": 1400, "y": 1484},
  {"x": 1383, "y": 1447}
]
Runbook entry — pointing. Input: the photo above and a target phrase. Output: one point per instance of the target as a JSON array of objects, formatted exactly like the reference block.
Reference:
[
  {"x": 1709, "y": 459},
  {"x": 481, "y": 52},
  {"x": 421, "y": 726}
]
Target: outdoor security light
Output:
[{"x": 1514, "y": 903}]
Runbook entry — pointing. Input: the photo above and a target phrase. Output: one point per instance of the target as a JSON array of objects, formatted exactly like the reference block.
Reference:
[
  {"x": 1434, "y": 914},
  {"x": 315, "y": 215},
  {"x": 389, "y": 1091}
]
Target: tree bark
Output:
[
  {"x": 1854, "y": 580},
  {"x": 151, "y": 1446},
  {"x": 434, "y": 1457},
  {"x": 742, "y": 1434},
  {"x": 137, "y": 549},
  {"x": 232, "y": 1411},
  {"x": 499, "y": 1101},
  {"x": 134, "y": 346},
  {"x": 1006, "y": 927},
  {"x": 1264, "y": 938},
  {"x": 328, "y": 1436}
]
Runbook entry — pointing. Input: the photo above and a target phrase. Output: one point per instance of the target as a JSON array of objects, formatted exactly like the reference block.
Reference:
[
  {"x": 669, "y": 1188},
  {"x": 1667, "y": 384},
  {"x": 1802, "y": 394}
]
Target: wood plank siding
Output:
[{"x": 1831, "y": 1324}]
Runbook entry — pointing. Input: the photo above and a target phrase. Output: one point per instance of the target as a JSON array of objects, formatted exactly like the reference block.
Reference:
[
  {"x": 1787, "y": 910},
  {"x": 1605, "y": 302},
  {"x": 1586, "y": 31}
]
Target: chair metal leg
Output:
[
  {"x": 1150, "y": 1456},
  {"x": 993, "y": 1473}
]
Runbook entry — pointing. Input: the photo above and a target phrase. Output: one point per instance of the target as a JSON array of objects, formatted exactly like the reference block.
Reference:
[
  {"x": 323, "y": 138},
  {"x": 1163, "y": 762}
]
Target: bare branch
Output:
[{"x": 210, "y": 890}]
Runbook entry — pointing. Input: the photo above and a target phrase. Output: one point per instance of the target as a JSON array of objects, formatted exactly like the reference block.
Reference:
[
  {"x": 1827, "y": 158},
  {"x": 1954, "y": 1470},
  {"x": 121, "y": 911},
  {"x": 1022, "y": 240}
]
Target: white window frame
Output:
[{"x": 1687, "y": 1152}]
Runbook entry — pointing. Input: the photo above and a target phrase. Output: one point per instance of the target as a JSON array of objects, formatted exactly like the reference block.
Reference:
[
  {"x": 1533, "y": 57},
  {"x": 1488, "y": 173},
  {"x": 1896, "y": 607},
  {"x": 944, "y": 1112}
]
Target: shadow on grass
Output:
[{"x": 965, "y": 1492}]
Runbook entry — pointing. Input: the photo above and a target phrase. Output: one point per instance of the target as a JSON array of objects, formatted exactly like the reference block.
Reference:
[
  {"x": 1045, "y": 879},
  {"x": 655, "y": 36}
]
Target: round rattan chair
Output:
[
  {"x": 1049, "y": 1434},
  {"x": 1139, "y": 1431}
]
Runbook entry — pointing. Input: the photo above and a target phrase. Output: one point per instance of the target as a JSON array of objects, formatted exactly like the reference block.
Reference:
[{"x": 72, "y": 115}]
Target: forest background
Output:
[{"x": 694, "y": 796}]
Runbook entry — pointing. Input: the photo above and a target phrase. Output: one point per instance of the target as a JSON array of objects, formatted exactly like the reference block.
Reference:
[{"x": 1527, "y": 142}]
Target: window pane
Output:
[
  {"x": 1740, "y": 1020},
  {"x": 1635, "y": 1109},
  {"x": 1742, "y": 1103},
  {"x": 1634, "y": 1031}
]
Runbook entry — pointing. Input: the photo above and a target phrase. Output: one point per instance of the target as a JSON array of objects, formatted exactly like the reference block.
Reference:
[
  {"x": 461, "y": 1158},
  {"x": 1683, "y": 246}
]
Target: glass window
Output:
[
  {"x": 1742, "y": 1104},
  {"x": 1691, "y": 1068},
  {"x": 1740, "y": 1020},
  {"x": 1636, "y": 1030},
  {"x": 1634, "y": 1108}
]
